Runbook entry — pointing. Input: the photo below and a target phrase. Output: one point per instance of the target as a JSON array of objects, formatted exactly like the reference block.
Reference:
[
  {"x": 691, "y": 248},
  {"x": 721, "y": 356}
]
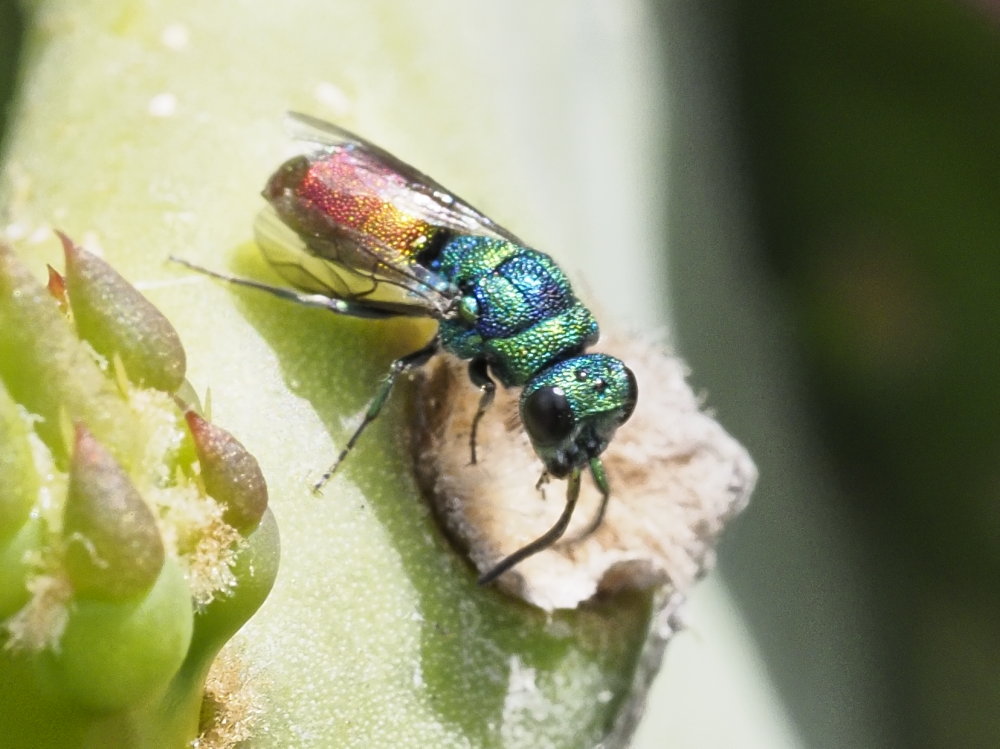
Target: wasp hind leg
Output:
[
  {"x": 340, "y": 307},
  {"x": 480, "y": 376},
  {"x": 403, "y": 364}
]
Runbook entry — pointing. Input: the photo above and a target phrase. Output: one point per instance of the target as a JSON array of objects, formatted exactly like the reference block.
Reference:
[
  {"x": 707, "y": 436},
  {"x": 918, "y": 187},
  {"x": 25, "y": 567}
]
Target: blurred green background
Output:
[
  {"x": 10, "y": 47},
  {"x": 847, "y": 157},
  {"x": 834, "y": 216}
]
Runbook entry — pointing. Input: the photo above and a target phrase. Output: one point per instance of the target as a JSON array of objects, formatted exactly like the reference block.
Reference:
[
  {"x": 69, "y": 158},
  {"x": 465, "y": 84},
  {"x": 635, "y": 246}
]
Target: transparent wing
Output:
[
  {"x": 329, "y": 266},
  {"x": 419, "y": 195}
]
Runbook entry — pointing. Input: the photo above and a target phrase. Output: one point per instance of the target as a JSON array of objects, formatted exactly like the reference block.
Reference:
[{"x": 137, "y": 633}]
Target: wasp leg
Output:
[
  {"x": 544, "y": 541},
  {"x": 542, "y": 482},
  {"x": 333, "y": 304},
  {"x": 403, "y": 364},
  {"x": 597, "y": 471},
  {"x": 480, "y": 376}
]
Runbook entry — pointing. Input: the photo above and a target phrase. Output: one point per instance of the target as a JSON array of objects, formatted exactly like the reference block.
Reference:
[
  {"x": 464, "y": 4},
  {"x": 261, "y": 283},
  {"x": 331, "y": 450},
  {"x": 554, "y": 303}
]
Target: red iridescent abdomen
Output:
[{"x": 355, "y": 193}]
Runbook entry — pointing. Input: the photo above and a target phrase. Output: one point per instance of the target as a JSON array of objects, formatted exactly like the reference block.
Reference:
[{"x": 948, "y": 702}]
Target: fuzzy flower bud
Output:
[
  {"x": 231, "y": 474},
  {"x": 113, "y": 546},
  {"x": 117, "y": 320}
]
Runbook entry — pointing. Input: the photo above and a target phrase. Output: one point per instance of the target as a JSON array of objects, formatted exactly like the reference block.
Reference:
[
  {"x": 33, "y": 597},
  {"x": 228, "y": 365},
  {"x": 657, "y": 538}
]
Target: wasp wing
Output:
[
  {"x": 329, "y": 265},
  {"x": 418, "y": 195}
]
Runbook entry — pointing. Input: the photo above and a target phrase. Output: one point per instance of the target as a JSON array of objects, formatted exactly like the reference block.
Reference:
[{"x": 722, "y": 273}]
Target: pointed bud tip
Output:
[
  {"x": 231, "y": 474},
  {"x": 113, "y": 545},
  {"x": 67, "y": 243},
  {"x": 116, "y": 319},
  {"x": 57, "y": 287}
]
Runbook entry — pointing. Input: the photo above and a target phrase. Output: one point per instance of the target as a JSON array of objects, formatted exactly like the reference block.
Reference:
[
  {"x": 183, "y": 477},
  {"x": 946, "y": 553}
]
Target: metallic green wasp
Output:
[{"x": 361, "y": 233}]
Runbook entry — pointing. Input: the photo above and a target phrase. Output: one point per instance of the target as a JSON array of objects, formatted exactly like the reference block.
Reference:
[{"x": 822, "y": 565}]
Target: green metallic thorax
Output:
[{"x": 517, "y": 310}]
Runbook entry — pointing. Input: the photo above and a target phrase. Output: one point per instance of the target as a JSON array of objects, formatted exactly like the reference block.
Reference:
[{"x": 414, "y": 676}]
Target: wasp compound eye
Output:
[
  {"x": 548, "y": 416},
  {"x": 633, "y": 395}
]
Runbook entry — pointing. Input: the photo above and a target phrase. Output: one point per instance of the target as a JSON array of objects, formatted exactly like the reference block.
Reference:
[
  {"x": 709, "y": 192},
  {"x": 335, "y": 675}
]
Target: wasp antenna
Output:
[
  {"x": 601, "y": 480},
  {"x": 544, "y": 541}
]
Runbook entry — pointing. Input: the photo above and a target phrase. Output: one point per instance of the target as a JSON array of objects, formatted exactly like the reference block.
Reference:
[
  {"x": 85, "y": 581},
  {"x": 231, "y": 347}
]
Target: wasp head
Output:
[{"x": 572, "y": 409}]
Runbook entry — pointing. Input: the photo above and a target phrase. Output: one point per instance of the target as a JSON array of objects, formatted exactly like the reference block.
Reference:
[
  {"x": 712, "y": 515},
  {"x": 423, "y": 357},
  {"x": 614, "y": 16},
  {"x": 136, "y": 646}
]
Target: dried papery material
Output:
[
  {"x": 119, "y": 321},
  {"x": 113, "y": 545},
  {"x": 676, "y": 478},
  {"x": 232, "y": 708},
  {"x": 231, "y": 474}
]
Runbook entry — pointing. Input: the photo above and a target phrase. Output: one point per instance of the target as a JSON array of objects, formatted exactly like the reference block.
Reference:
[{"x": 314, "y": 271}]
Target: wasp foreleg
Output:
[{"x": 480, "y": 376}]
